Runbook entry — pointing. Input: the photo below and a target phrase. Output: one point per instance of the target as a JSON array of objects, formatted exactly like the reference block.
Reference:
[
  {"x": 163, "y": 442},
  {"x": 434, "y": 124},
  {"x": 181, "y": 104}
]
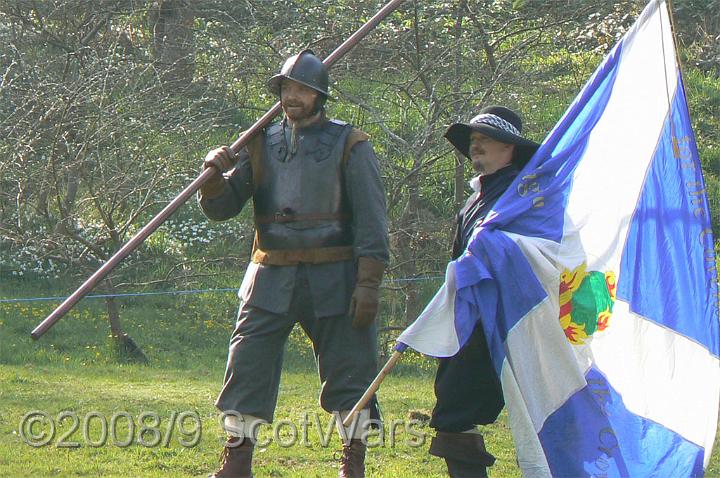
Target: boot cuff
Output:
[{"x": 467, "y": 447}]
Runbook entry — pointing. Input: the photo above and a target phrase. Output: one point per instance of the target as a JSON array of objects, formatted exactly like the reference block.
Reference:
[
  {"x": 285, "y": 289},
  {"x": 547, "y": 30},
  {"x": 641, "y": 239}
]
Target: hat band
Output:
[{"x": 496, "y": 121}]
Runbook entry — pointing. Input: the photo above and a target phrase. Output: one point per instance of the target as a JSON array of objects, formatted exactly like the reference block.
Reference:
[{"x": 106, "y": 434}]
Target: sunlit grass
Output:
[
  {"x": 110, "y": 389},
  {"x": 72, "y": 370}
]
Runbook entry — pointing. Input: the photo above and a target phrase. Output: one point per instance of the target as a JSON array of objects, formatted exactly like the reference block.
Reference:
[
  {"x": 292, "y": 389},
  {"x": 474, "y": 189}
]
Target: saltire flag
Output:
[{"x": 594, "y": 280}]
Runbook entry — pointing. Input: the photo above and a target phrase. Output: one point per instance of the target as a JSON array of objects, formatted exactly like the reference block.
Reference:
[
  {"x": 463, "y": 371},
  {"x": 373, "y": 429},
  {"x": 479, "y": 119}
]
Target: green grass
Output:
[
  {"x": 72, "y": 369},
  {"x": 136, "y": 389}
]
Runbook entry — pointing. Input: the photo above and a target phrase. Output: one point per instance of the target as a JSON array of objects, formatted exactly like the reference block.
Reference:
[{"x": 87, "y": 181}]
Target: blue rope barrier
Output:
[{"x": 183, "y": 292}]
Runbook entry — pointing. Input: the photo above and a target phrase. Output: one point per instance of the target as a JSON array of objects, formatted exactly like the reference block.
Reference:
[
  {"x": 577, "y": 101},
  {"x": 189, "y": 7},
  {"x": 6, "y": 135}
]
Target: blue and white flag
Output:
[{"x": 595, "y": 282}]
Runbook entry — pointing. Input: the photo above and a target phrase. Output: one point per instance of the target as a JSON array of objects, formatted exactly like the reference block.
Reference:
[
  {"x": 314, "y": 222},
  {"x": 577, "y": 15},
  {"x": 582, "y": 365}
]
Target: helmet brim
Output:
[{"x": 274, "y": 83}]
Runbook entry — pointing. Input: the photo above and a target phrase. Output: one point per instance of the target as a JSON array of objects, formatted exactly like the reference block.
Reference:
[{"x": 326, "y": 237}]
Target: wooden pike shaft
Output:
[
  {"x": 367, "y": 396},
  {"x": 168, "y": 210}
]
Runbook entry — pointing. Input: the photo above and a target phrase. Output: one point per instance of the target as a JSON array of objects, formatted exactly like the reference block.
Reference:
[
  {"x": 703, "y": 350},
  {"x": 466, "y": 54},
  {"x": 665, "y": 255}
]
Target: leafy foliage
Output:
[{"x": 107, "y": 107}]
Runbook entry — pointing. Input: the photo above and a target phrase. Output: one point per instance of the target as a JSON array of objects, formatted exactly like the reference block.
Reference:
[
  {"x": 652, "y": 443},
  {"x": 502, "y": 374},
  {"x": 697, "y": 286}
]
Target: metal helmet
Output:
[{"x": 305, "y": 68}]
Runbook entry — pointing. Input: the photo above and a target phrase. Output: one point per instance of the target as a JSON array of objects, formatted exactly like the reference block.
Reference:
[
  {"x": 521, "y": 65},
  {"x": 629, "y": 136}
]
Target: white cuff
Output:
[
  {"x": 358, "y": 428},
  {"x": 243, "y": 425}
]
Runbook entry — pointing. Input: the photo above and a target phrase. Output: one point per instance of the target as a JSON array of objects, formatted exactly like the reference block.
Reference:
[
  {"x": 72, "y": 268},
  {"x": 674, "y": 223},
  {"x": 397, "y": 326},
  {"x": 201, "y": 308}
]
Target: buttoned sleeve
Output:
[{"x": 366, "y": 196}]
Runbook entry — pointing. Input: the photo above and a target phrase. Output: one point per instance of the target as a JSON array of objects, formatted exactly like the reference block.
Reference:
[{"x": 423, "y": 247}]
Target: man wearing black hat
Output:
[
  {"x": 467, "y": 388},
  {"x": 320, "y": 250}
]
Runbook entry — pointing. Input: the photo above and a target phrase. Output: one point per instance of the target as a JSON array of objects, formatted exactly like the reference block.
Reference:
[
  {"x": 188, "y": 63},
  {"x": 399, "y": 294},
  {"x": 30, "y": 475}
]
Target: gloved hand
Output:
[
  {"x": 366, "y": 297},
  {"x": 221, "y": 159}
]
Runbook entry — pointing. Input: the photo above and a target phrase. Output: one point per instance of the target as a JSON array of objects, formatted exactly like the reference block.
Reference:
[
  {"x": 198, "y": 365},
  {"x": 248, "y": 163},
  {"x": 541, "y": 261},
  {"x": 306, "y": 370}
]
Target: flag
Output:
[{"x": 594, "y": 280}]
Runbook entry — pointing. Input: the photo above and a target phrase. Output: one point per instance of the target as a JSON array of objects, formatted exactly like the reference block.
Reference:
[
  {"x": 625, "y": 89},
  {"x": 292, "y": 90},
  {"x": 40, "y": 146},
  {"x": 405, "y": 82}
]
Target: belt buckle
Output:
[{"x": 283, "y": 216}]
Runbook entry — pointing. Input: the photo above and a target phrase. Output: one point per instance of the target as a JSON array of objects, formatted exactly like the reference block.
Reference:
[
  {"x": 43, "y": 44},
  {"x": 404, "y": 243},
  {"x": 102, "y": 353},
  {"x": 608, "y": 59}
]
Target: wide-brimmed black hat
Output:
[{"x": 499, "y": 123}]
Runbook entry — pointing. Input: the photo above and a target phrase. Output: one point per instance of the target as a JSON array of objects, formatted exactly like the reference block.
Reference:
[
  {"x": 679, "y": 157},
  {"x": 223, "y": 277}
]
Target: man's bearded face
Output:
[
  {"x": 488, "y": 154},
  {"x": 297, "y": 100}
]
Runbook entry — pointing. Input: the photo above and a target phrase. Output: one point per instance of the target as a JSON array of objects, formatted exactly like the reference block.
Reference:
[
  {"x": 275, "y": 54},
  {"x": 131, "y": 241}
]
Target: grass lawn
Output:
[
  {"x": 136, "y": 390},
  {"x": 71, "y": 372}
]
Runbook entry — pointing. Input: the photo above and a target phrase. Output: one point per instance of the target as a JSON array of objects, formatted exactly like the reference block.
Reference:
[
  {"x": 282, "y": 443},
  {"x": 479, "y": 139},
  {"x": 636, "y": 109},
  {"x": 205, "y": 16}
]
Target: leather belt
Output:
[
  {"x": 281, "y": 217},
  {"x": 288, "y": 257}
]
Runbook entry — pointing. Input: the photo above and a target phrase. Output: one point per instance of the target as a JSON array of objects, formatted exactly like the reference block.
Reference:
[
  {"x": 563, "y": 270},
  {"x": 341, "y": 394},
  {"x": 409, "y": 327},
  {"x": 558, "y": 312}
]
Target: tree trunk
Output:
[
  {"x": 406, "y": 246},
  {"x": 173, "y": 41},
  {"x": 124, "y": 347},
  {"x": 459, "y": 179}
]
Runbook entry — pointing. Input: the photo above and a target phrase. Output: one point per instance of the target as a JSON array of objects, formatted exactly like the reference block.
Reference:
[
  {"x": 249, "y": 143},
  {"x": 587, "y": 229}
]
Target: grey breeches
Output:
[{"x": 345, "y": 356}]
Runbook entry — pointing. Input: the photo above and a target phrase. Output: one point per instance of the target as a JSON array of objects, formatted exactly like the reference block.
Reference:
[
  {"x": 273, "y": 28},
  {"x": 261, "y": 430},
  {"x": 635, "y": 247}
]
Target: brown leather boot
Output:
[
  {"x": 464, "y": 453},
  {"x": 236, "y": 459},
  {"x": 352, "y": 461}
]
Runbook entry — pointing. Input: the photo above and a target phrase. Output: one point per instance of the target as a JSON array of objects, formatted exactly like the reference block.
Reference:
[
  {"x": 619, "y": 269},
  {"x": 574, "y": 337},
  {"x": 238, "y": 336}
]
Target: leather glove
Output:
[
  {"x": 366, "y": 297},
  {"x": 222, "y": 159}
]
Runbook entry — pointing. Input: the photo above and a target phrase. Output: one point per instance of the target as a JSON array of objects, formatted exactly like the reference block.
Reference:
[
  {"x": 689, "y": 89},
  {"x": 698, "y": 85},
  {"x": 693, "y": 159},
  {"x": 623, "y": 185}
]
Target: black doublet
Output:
[{"x": 467, "y": 388}]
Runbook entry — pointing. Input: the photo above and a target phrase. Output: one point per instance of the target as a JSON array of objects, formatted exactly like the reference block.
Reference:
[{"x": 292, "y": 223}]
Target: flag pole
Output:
[
  {"x": 673, "y": 30},
  {"x": 676, "y": 50},
  {"x": 375, "y": 385},
  {"x": 186, "y": 193}
]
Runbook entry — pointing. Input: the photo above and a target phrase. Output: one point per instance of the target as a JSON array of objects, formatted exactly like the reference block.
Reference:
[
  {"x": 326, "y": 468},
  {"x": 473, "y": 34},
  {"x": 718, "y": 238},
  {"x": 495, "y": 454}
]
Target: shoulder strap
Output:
[
  {"x": 255, "y": 151},
  {"x": 356, "y": 136}
]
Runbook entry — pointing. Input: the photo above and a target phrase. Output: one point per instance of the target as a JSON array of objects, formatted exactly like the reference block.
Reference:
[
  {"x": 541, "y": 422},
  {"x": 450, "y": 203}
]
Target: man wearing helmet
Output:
[{"x": 320, "y": 251}]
